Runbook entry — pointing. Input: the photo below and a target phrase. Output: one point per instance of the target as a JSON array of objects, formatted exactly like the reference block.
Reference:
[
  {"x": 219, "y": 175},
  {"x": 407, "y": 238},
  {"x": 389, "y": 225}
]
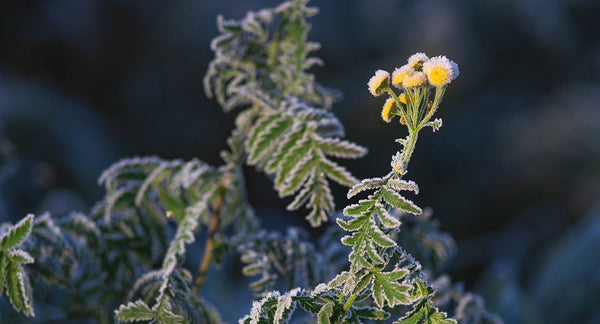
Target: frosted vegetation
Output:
[{"x": 121, "y": 262}]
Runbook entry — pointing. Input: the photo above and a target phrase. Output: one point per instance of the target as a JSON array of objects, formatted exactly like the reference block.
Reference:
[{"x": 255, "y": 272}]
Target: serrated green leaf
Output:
[
  {"x": 435, "y": 316},
  {"x": 135, "y": 311},
  {"x": 400, "y": 202},
  {"x": 267, "y": 140},
  {"x": 20, "y": 256},
  {"x": 303, "y": 195},
  {"x": 385, "y": 218},
  {"x": 17, "y": 233},
  {"x": 362, "y": 283},
  {"x": 392, "y": 292},
  {"x": 373, "y": 254},
  {"x": 412, "y": 317},
  {"x": 260, "y": 126},
  {"x": 171, "y": 203},
  {"x": 394, "y": 275},
  {"x": 298, "y": 175},
  {"x": 262, "y": 282},
  {"x": 357, "y": 209},
  {"x": 18, "y": 290},
  {"x": 165, "y": 316},
  {"x": 366, "y": 184},
  {"x": 336, "y": 172},
  {"x": 370, "y": 313},
  {"x": 340, "y": 148},
  {"x": 317, "y": 216},
  {"x": 350, "y": 240},
  {"x": 339, "y": 280},
  {"x": 325, "y": 313},
  {"x": 400, "y": 185},
  {"x": 155, "y": 175},
  {"x": 290, "y": 140},
  {"x": 293, "y": 156},
  {"x": 379, "y": 237},
  {"x": 353, "y": 224},
  {"x": 378, "y": 294},
  {"x": 321, "y": 201}
]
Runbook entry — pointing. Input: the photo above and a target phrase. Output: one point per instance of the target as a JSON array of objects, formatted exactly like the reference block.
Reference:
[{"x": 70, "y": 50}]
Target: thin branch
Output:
[{"x": 208, "y": 246}]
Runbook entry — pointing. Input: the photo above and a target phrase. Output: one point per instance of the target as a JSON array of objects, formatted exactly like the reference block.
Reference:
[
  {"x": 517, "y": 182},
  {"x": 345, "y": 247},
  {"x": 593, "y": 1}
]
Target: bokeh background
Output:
[{"x": 513, "y": 175}]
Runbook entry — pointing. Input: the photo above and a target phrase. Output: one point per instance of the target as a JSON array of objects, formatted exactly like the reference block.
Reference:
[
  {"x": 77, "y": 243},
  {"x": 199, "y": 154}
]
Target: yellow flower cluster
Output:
[
  {"x": 418, "y": 74},
  {"x": 420, "y": 69}
]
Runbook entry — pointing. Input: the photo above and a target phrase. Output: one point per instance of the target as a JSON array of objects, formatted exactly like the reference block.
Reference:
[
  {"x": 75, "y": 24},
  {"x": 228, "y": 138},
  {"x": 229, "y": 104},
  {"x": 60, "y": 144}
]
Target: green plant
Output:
[{"x": 125, "y": 257}]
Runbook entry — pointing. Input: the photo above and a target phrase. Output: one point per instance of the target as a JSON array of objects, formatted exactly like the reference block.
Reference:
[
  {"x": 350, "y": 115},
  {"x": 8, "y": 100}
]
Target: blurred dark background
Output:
[{"x": 513, "y": 175}]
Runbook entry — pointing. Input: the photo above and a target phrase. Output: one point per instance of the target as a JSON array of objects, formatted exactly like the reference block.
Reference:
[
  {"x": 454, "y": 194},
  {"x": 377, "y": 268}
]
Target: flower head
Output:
[
  {"x": 414, "y": 80},
  {"x": 416, "y": 61},
  {"x": 389, "y": 108},
  {"x": 440, "y": 70},
  {"x": 455, "y": 69},
  {"x": 401, "y": 73},
  {"x": 378, "y": 82},
  {"x": 402, "y": 98}
]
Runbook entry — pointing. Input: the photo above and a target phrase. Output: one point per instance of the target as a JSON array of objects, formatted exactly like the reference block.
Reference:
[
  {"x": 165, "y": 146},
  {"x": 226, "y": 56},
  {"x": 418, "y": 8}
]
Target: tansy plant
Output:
[{"x": 125, "y": 260}]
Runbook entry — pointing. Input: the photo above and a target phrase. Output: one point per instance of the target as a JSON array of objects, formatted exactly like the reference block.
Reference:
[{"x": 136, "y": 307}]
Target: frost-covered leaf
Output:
[
  {"x": 260, "y": 63},
  {"x": 412, "y": 317},
  {"x": 340, "y": 148},
  {"x": 400, "y": 185},
  {"x": 400, "y": 202},
  {"x": 387, "y": 291},
  {"x": 325, "y": 313},
  {"x": 135, "y": 311},
  {"x": 438, "y": 317},
  {"x": 20, "y": 256},
  {"x": 18, "y": 288},
  {"x": 285, "y": 307},
  {"x": 371, "y": 313},
  {"x": 379, "y": 237},
  {"x": 365, "y": 184},
  {"x": 385, "y": 217},
  {"x": 17, "y": 233},
  {"x": 336, "y": 172}
]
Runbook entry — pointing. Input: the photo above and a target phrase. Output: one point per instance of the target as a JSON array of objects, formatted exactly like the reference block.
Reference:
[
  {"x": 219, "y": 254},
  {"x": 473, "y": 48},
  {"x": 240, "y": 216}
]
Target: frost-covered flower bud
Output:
[
  {"x": 401, "y": 73},
  {"x": 379, "y": 82},
  {"x": 402, "y": 98},
  {"x": 389, "y": 109},
  {"x": 414, "y": 80},
  {"x": 416, "y": 61}
]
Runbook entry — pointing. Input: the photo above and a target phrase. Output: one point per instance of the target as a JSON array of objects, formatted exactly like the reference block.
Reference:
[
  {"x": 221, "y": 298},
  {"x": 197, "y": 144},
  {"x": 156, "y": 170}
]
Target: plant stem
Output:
[
  {"x": 398, "y": 103},
  {"x": 208, "y": 246},
  {"x": 412, "y": 135},
  {"x": 349, "y": 302}
]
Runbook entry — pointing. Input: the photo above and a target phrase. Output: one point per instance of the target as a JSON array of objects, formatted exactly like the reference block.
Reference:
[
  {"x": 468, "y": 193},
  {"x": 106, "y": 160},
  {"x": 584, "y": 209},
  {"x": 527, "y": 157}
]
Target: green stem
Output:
[
  {"x": 349, "y": 302},
  {"x": 423, "y": 107},
  {"x": 398, "y": 103},
  {"x": 408, "y": 150},
  {"x": 209, "y": 245},
  {"x": 439, "y": 93}
]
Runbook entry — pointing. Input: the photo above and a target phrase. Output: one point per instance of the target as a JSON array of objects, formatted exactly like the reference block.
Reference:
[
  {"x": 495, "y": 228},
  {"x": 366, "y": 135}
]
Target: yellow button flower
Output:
[
  {"x": 416, "y": 61},
  {"x": 414, "y": 80},
  {"x": 402, "y": 98},
  {"x": 440, "y": 70},
  {"x": 379, "y": 82},
  {"x": 389, "y": 109},
  {"x": 401, "y": 73}
]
